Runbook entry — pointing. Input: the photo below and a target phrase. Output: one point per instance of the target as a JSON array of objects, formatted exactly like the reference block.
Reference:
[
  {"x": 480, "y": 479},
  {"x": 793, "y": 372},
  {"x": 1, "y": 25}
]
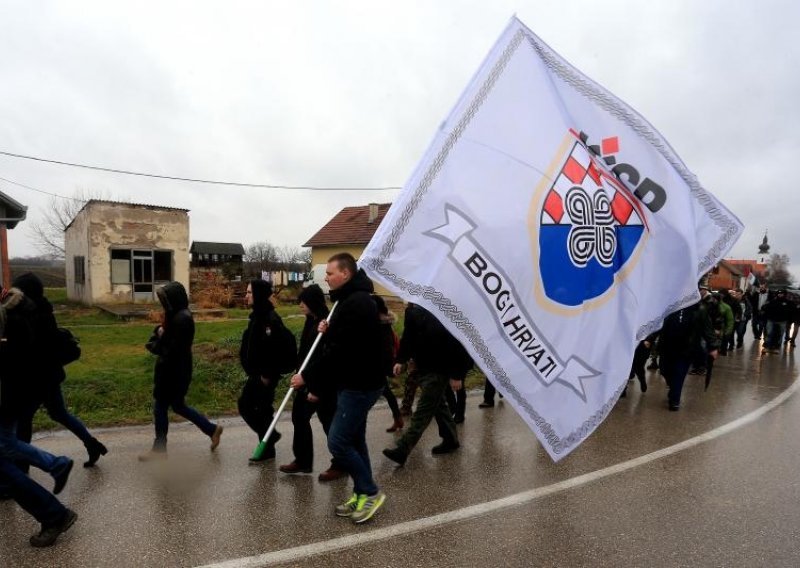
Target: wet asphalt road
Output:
[{"x": 731, "y": 501}]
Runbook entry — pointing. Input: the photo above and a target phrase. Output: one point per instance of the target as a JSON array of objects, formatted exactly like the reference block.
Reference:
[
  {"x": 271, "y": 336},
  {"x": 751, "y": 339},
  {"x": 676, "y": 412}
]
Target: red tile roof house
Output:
[
  {"x": 725, "y": 276},
  {"x": 350, "y": 230}
]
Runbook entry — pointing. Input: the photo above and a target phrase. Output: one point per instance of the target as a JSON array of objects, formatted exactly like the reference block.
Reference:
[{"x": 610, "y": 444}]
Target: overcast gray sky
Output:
[{"x": 350, "y": 93}]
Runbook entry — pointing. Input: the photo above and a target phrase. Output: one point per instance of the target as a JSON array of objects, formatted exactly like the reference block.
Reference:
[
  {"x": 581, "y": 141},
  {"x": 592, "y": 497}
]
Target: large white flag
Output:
[{"x": 549, "y": 227}]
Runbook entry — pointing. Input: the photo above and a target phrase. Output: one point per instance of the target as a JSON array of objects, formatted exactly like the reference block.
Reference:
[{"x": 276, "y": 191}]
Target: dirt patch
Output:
[{"x": 216, "y": 353}]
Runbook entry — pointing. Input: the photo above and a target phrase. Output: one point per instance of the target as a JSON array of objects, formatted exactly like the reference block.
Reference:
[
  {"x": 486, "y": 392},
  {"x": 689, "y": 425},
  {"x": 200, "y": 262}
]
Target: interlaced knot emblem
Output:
[{"x": 592, "y": 233}]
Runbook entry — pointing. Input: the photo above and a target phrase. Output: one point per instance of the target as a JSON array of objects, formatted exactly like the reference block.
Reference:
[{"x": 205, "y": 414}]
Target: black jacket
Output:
[
  {"x": 314, "y": 300},
  {"x": 779, "y": 309},
  {"x": 351, "y": 354},
  {"x": 254, "y": 352},
  {"x": 684, "y": 331},
  {"x": 173, "y": 370},
  {"x": 44, "y": 369},
  {"x": 17, "y": 351},
  {"x": 431, "y": 346}
]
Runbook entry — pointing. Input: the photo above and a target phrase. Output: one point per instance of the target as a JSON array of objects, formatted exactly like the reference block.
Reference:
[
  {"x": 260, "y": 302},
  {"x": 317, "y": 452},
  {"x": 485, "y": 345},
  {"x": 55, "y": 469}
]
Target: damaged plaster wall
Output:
[
  {"x": 76, "y": 243},
  {"x": 129, "y": 226}
]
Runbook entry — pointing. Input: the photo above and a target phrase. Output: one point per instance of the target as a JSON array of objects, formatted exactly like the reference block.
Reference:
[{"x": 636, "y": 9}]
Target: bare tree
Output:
[
  {"x": 778, "y": 270},
  {"x": 261, "y": 255},
  {"x": 48, "y": 233}
]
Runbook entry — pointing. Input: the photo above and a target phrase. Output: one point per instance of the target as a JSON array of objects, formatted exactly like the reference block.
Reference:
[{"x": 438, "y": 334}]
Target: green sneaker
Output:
[
  {"x": 367, "y": 506},
  {"x": 348, "y": 507}
]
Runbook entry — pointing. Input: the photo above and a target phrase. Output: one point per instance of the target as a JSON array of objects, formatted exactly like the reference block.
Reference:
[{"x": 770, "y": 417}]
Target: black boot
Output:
[{"x": 95, "y": 449}]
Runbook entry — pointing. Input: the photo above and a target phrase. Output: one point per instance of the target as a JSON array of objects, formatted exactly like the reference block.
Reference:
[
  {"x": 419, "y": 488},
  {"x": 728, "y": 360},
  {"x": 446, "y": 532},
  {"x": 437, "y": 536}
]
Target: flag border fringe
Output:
[{"x": 610, "y": 103}]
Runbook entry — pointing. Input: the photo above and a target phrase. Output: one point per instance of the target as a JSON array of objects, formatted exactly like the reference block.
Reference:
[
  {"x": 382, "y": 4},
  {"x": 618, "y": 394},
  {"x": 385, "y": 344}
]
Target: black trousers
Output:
[
  {"x": 256, "y": 406},
  {"x": 302, "y": 411}
]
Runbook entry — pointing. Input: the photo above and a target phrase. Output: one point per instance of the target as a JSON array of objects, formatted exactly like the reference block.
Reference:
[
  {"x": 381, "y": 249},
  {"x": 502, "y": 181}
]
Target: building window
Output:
[
  {"x": 120, "y": 266},
  {"x": 80, "y": 270},
  {"x": 140, "y": 266},
  {"x": 162, "y": 265}
]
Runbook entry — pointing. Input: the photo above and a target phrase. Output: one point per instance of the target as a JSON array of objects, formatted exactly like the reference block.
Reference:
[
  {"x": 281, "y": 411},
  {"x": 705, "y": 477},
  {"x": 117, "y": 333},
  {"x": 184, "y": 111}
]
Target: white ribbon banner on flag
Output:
[{"x": 549, "y": 227}]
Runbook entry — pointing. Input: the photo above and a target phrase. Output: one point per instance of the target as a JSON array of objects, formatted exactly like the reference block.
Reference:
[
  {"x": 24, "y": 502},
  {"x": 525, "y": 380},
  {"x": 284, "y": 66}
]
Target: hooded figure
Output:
[
  {"x": 323, "y": 403},
  {"x": 259, "y": 362},
  {"x": 46, "y": 373},
  {"x": 172, "y": 343},
  {"x": 44, "y": 369},
  {"x": 16, "y": 352},
  {"x": 173, "y": 370}
]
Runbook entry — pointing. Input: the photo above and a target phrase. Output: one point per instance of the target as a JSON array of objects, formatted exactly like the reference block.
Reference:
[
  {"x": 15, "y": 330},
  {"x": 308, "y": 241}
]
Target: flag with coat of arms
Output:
[{"x": 549, "y": 227}]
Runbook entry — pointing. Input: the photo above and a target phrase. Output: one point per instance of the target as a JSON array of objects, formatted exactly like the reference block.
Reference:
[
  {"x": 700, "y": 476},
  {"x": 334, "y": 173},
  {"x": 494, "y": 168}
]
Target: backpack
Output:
[
  {"x": 66, "y": 346},
  {"x": 283, "y": 348}
]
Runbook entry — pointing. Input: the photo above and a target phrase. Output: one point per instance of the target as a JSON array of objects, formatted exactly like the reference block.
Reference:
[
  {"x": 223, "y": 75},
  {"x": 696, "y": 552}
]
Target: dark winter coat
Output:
[
  {"x": 351, "y": 354},
  {"x": 779, "y": 309},
  {"x": 685, "y": 331},
  {"x": 255, "y": 351},
  {"x": 17, "y": 351},
  {"x": 431, "y": 346},
  {"x": 45, "y": 370},
  {"x": 314, "y": 299},
  {"x": 173, "y": 370}
]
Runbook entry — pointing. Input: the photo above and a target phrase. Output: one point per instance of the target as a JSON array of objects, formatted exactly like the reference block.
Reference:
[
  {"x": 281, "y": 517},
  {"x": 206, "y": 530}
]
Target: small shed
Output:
[
  {"x": 122, "y": 252},
  {"x": 216, "y": 255},
  {"x": 11, "y": 213}
]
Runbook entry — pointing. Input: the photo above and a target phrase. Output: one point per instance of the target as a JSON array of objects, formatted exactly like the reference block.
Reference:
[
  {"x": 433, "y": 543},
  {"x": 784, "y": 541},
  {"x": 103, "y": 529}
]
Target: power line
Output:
[
  {"x": 195, "y": 180},
  {"x": 40, "y": 190}
]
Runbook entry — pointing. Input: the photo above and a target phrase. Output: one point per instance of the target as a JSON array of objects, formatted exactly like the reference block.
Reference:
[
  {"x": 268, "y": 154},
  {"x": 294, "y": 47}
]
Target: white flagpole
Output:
[{"x": 259, "y": 451}]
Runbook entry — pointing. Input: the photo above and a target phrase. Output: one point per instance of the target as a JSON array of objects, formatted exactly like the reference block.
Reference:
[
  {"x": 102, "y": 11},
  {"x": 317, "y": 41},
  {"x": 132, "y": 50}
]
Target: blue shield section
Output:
[{"x": 569, "y": 285}]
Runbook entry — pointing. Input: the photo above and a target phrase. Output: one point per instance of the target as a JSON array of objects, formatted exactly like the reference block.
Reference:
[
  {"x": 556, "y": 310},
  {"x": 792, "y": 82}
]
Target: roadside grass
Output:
[{"x": 111, "y": 384}]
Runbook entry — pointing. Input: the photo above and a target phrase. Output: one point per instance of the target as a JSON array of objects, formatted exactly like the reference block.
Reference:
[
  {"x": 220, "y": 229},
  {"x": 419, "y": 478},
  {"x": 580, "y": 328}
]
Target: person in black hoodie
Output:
[
  {"x": 172, "y": 343},
  {"x": 777, "y": 312},
  {"x": 312, "y": 303},
  {"x": 686, "y": 333},
  {"x": 17, "y": 349},
  {"x": 442, "y": 363},
  {"x": 258, "y": 361},
  {"x": 48, "y": 374},
  {"x": 352, "y": 361}
]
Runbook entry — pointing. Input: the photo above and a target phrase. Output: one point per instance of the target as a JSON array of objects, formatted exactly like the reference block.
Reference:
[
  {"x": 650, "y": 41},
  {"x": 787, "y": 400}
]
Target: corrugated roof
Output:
[
  {"x": 203, "y": 247},
  {"x": 125, "y": 203},
  {"x": 350, "y": 226}
]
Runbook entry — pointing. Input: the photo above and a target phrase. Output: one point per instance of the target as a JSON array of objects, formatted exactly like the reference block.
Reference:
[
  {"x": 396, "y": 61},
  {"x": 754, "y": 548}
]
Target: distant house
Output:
[
  {"x": 748, "y": 267},
  {"x": 725, "y": 276},
  {"x": 350, "y": 230},
  {"x": 122, "y": 252},
  {"x": 11, "y": 213},
  {"x": 216, "y": 255}
]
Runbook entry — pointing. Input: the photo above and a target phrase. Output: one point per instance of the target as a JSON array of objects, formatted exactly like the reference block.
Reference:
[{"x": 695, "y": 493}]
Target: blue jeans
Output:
[
  {"x": 57, "y": 410},
  {"x": 14, "y": 450},
  {"x": 161, "y": 417},
  {"x": 347, "y": 438},
  {"x": 31, "y": 496},
  {"x": 674, "y": 370},
  {"x": 775, "y": 331}
]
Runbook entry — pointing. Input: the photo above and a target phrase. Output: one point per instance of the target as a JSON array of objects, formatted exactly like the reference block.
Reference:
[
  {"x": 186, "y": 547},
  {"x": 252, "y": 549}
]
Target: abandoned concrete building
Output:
[{"x": 122, "y": 252}]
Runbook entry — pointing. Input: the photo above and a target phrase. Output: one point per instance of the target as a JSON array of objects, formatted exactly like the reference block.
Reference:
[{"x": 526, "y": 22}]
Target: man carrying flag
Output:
[
  {"x": 537, "y": 227},
  {"x": 352, "y": 360}
]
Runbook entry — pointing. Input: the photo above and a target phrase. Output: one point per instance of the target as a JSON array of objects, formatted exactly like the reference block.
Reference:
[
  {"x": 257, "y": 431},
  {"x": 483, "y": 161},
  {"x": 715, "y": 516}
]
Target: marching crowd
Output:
[
  {"x": 340, "y": 382},
  {"x": 692, "y": 338},
  {"x": 342, "y": 375}
]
